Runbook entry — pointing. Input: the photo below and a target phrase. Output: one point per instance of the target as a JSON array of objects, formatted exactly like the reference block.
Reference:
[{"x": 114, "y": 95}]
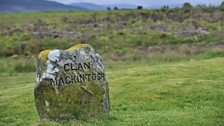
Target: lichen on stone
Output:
[
  {"x": 44, "y": 55},
  {"x": 77, "y": 47},
  {"x": 87, "y": 93}
]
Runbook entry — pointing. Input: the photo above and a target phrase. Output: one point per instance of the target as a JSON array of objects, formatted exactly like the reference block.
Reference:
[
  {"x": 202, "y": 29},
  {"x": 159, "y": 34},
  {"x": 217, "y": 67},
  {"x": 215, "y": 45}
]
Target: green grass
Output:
[{"x": 178, "y": 93}]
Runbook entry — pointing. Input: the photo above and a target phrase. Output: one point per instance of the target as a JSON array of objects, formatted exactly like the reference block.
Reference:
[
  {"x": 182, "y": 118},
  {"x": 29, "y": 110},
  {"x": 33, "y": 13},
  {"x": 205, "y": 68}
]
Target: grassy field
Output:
[
  {"x": 165, "y": 67},
  {"x": 156, "y": 36},
  {"x": 179, "y": 93},
  {"x": 112, "y": 33}
]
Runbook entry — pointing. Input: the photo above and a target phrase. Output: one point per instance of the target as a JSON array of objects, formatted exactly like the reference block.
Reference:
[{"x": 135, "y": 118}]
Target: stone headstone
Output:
[{"x": 71, "y": 84}]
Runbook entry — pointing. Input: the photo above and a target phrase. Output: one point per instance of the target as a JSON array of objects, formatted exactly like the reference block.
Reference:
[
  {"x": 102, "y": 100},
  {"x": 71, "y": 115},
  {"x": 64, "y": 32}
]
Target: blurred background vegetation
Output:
[{"x": 154, "y": 36}]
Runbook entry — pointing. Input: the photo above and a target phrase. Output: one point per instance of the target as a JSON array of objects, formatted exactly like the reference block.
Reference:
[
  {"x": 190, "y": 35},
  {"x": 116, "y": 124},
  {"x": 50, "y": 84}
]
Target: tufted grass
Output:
[
  {"x": 108, "y": 31},
  {"x": 178, "y": 93}
]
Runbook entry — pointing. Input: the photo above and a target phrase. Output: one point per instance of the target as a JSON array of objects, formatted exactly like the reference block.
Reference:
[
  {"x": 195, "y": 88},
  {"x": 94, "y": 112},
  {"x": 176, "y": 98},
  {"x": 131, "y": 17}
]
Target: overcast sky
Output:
[{"x": 144, "y": 2}]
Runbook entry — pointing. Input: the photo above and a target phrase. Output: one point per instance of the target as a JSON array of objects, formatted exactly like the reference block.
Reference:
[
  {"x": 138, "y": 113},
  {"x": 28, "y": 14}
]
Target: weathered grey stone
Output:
[{"x": 71, "y": 84}]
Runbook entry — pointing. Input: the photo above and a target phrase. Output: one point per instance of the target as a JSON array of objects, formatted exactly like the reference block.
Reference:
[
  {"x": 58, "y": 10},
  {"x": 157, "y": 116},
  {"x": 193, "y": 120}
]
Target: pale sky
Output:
[{"x": 144, "y": 2}]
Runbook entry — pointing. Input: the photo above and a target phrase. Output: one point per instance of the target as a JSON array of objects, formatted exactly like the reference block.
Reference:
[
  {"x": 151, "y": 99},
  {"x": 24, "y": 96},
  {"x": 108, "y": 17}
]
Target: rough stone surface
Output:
[{"x": 71, "y": 84}]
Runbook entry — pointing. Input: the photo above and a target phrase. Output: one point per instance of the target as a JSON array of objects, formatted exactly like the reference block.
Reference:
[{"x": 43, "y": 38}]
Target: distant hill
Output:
[
  {"x": 18, "y": 6},
  {"x": 90, "y": 6}
]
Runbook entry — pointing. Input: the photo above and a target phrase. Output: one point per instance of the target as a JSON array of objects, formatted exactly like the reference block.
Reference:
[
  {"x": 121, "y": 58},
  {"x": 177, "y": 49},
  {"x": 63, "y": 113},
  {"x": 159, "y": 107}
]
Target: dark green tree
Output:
[
  {"x": 187, "y": 5},
  {"x": 222, "y": 4}
]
